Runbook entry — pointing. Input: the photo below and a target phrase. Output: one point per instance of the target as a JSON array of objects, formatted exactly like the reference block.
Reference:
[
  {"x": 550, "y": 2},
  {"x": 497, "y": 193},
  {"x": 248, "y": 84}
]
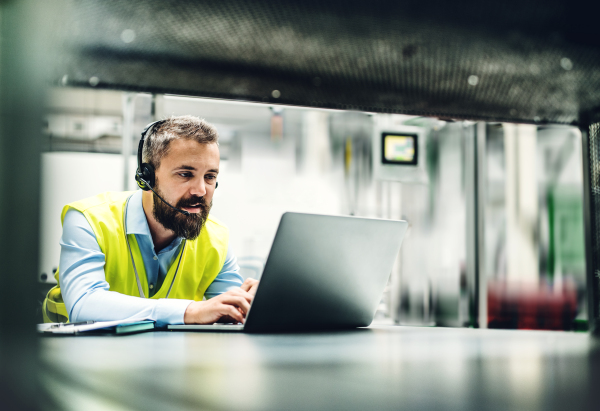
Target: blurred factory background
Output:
[
  {"x": 491, "y": 154},
  {"x": 495, "y": 209}
]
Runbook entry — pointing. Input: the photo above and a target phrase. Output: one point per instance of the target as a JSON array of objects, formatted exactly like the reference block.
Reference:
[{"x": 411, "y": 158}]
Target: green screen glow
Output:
[{"x": 399, "y": 148}]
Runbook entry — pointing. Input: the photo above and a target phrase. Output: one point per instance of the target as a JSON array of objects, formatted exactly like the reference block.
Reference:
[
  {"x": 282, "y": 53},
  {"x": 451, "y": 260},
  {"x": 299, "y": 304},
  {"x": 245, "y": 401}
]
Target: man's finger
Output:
[
  {"x": 236, "y": 301},
  {"x": 253, "y": 289},
  {"x": 248, "y": 284},
  {"x": 231, "y": 311},
  {"x": 241, "y": 293}
]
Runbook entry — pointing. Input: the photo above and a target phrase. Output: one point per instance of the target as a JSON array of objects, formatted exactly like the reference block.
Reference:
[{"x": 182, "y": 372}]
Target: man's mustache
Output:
[{"x": 193, "y": 201}]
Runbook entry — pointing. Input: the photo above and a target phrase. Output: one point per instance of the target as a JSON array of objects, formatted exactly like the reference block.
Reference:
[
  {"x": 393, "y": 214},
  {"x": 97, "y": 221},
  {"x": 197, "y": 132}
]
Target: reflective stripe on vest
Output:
[{"x": 202, "y": 260}]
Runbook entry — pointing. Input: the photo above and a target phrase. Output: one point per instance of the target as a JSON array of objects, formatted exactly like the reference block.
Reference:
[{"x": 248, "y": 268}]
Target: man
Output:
[{"x": 154, "y": 253}]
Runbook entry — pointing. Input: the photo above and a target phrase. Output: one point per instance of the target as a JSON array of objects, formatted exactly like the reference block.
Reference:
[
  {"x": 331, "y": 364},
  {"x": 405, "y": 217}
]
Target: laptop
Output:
[{"x": 323, "y": 273}]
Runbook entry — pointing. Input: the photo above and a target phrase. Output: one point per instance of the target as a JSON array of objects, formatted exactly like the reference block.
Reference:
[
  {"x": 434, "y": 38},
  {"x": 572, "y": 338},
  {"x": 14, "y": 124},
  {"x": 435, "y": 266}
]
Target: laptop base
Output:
[{"x": 210, "y": 327}]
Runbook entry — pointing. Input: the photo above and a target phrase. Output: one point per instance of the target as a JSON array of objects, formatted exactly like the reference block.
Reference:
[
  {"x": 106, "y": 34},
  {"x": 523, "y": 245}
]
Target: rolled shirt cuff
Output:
[{"x": 170, "y": 311}]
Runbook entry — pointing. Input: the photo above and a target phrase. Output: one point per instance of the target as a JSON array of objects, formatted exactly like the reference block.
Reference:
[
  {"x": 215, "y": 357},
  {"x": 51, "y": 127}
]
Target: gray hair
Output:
[{"x": 194, "y": 128}]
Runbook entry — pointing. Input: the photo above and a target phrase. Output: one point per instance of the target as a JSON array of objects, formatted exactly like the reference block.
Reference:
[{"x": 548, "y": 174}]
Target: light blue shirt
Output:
[{"x": 83, "y": 284}]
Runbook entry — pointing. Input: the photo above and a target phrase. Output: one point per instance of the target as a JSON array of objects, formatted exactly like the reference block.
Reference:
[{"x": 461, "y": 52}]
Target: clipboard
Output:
[{"x": 119, "y": 327}]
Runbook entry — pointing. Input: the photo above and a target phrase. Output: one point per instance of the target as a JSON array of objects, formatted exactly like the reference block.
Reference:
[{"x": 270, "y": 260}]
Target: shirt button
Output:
[
  {"x": 155, "y": 258},
  {"x": 151, "y": 286}
]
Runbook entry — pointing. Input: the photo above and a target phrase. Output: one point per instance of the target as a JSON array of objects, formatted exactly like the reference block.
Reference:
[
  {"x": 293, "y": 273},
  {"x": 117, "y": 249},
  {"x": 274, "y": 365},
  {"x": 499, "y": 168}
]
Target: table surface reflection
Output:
[{"x": 382, "y": 367}]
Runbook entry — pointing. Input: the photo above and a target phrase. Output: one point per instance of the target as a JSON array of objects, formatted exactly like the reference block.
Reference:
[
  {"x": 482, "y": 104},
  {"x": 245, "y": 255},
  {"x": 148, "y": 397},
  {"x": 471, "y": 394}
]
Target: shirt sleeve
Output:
[
  {"x": 84, "y": 287},
  {"x": 228, "y": 278}
]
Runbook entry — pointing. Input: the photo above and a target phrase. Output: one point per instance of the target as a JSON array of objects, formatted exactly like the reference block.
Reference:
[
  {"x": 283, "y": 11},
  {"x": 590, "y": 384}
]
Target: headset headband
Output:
[{"x": 147, "y": 130}]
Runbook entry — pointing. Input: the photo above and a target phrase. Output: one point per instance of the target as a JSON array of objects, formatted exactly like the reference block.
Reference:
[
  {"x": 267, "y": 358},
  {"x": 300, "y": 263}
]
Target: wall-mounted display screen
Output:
[{"x": 399, "y": 148}]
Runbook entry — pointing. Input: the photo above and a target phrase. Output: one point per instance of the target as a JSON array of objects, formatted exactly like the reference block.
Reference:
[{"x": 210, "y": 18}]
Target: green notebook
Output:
[{"x": 134, "y": 328}]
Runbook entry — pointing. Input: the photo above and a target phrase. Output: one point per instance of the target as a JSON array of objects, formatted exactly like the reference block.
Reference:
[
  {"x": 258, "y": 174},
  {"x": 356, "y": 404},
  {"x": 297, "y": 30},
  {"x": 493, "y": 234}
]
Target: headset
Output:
[{"x": 144, "y": 175}]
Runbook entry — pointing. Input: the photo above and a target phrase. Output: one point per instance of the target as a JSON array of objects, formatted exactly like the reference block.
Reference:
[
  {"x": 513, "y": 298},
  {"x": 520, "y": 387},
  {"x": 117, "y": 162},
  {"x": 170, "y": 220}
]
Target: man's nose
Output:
[{"x": 199, "y": 188}]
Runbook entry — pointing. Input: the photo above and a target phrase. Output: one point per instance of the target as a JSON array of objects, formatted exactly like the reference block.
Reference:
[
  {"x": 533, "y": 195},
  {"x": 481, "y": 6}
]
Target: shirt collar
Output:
[{"x": 136, "y": 222}]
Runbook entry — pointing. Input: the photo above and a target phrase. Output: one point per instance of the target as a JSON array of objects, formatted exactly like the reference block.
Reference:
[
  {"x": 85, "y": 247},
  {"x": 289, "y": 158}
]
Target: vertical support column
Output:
[
  {"x": 316, "y": 157},
  {"x": 128, "y": 117},
  {"x": 481, "y": 182},
  {"x": 521, "y": 203},
  {"x": 395, "y": 283},
  {"x": 475, "y": 174},
  {"x": 471, "y": 284},
  {"x": 158, "y": 107},
  {"x": 591, "y": 201}
]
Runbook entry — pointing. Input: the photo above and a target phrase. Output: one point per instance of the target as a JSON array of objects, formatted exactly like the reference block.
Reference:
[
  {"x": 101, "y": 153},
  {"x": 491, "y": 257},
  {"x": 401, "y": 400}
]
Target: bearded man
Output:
[{"x": 154, "y": 253}]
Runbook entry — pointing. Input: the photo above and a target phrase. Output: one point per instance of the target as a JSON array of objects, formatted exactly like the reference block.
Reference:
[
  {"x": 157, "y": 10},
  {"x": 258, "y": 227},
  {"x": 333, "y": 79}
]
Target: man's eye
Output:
[
  {"x": 185, "y": 175},
  {"x": 211, "y": 177}
]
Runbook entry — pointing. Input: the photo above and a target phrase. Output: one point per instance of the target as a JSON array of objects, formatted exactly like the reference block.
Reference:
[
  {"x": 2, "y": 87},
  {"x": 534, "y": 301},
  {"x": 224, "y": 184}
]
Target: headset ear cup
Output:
[
  {"x": 217, "y": 185},
  {"x": 148, "y": 174},
  {"x": 138, "y": 179},
  {"x": 144, "y": 175}
]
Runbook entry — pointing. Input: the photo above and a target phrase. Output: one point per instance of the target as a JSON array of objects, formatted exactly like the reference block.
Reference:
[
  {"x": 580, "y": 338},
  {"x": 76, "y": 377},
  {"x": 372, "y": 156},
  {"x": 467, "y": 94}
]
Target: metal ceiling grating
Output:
[{"x": 527, "y": 61}]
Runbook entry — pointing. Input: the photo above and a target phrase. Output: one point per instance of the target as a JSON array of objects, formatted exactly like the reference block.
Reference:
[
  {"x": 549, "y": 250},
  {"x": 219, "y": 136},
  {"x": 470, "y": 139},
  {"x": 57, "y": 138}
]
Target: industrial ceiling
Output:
[{"x": 519, "y": 61}]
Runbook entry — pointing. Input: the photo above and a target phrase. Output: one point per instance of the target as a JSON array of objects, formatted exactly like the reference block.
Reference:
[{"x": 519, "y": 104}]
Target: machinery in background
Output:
[{"x": 399, "y": 150}]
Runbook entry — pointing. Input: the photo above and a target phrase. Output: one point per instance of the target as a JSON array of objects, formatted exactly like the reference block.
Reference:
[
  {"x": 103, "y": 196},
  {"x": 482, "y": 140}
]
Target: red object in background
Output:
[
  {"x": 531, "y": 306},
  {"x": 276, "y": 127}
]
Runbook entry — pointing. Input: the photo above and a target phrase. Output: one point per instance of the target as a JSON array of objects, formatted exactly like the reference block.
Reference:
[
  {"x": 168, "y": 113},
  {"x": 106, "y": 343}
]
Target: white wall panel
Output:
[{"x": 68, "y": 177}]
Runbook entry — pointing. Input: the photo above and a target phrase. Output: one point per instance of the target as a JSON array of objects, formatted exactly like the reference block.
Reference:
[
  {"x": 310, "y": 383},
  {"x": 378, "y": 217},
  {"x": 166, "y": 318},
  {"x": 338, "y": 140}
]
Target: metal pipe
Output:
[
  {"x": 126, "y": 144},
  {"x": 471, "y": 283},
  {"x": 590, "y": 156},
  {"x": 480, "y": 184}
]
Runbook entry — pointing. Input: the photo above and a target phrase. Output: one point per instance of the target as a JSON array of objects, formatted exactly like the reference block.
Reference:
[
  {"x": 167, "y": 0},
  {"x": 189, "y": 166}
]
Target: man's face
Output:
[{"x": 186, "y": 178}]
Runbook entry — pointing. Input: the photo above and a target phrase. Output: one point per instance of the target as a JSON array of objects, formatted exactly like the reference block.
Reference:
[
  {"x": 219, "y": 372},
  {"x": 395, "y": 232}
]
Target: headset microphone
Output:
[{"x": 164, "y": 201}]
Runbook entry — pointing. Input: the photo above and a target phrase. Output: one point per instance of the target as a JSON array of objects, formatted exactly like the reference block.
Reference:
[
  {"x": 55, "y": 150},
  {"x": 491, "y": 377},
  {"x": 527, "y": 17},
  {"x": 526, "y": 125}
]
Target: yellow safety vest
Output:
[{"x": 201, "y": 262}]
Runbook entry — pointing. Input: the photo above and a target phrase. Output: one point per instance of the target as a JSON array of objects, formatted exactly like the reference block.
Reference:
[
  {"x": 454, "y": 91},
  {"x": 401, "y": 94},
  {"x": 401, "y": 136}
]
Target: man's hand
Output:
[
  {"x": 231, "y": 306},
  {"x": 250, "y": 286}
]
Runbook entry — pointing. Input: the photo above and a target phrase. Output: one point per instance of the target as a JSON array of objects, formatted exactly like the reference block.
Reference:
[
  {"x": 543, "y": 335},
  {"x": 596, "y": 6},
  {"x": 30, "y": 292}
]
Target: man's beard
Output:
[{"x": 186, "y": 226}]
